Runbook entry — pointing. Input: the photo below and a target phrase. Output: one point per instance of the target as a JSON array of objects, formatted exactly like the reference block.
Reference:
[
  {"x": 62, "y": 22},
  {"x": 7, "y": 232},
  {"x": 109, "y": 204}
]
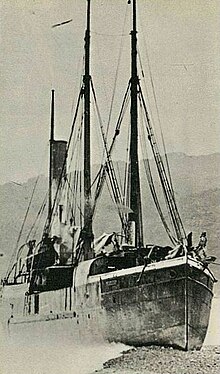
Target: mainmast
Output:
[
  {"x": 87, "y": 231},
  {"x": 135, "y": 193}
]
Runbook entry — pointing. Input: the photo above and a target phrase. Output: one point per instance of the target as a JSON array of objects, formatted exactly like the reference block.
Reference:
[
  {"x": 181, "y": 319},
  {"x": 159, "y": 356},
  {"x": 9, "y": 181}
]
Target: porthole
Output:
[{"x": 173, "y": 274}]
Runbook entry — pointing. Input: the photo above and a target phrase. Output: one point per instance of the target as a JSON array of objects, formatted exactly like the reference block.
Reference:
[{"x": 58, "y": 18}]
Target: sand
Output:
[{"x": 160, "y": 360}]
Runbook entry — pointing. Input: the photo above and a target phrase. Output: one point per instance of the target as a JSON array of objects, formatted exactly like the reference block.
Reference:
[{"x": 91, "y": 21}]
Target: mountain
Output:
[{"x": 196, "y": 182}]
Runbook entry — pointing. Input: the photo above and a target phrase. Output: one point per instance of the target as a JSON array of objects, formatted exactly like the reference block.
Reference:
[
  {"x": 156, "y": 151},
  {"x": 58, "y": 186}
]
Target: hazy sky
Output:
[{"x": 184, "y": 53}]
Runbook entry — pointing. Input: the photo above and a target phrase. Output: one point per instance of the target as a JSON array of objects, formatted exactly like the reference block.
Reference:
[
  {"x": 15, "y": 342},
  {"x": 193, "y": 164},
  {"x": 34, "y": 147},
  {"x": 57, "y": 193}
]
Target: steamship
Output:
[{"x": 115, "y": 287}]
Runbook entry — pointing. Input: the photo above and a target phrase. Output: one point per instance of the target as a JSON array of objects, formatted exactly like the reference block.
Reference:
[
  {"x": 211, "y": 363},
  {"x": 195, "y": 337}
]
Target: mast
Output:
[
  {"x": 87, "y": 230},
  {"x": 51, "y": 157},
  {"x": 135, "y": 193}
]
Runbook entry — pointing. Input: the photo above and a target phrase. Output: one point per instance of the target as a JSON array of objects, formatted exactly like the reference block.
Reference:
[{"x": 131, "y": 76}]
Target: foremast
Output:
[
  {"x": 87, "y": 232},
  {"x": 135, "y": 192}
]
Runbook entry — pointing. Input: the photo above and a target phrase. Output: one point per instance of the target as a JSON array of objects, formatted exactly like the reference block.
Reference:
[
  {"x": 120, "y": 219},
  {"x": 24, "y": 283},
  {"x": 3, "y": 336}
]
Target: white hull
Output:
[{"x": 161, "y": 310}]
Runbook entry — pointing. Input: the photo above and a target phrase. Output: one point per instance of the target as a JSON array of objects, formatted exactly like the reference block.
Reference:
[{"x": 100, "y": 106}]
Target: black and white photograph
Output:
[{"x": 110, "y": 187}]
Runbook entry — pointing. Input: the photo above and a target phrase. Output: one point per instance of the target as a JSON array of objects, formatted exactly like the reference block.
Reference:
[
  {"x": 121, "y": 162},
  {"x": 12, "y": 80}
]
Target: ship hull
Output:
[
  {"x": 168, "y": 304},
  {"x": 171, "y": 308}
]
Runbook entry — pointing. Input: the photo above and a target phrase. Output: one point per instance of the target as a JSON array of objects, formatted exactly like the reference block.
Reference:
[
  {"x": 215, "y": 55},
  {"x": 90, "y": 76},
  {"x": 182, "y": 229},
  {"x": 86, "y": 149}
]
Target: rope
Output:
[
  {"x": 156, "y": 104},
  {"x": 48, "y": 221},
  {"x": 40, "y": 212},
  {"x": 177, "y": 222},
  {"x": 74, "y": 195},
  {"x": 126, "y": 174},
  {"x": 103, "y": 169},
  {"x": 116, "y": 74},
  {"x": 149, "y": 177},
  {"x": 110, "y": 169},
  {"x": 21, "y": 229}
]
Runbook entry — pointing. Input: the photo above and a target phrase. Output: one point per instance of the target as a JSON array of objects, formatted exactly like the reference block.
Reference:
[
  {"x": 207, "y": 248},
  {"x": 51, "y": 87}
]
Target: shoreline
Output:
[{"x": 160, "y": 360}]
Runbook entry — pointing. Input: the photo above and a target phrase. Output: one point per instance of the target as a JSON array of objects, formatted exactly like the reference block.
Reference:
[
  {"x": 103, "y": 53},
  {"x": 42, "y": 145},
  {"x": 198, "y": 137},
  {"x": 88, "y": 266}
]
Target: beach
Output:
[
  {"x": 160, "y": 360},
  {"x": 61, "y": 355}
]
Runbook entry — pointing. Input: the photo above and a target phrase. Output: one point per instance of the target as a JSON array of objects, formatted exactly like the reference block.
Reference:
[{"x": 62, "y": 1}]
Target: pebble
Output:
[{"x": 161, "y": 360}]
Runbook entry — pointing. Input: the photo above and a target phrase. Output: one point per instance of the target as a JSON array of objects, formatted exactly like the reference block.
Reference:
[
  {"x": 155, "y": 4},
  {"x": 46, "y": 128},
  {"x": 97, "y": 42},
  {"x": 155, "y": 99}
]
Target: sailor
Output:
[
  {"x": 54, "y": 240},
  {"x": 44, "y": 243},
  {"x": 31, "y": 246},
  {"x": 114, "y": 240},
  {"x": 50, "y": 248},
  {"x": 200, "y": 249},
  {"x": 49, "y": 256}
]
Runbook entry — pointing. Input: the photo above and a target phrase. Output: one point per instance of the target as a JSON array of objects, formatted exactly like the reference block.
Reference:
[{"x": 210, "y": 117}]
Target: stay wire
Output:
[
  {"x": 156, "y": 104},
  {"x": 116, "y": 73},
  {"x": 126, "y": 174},
  {"x": 109, "y": 168},
  {"x": 111, "y": 173},
  {"x": 78, "y": 206},
  {"x": 149, "y": 177},
  {"x": 48, "y": 221},
  {"x": 162, "y": 173},
  {"x": 115, "y": 186},
  {"x": 22, "y": 227},
  {"x": 103, "y": 168},
  {"x": 40, "y": 212},
  {"x": 165, "y": 196}
]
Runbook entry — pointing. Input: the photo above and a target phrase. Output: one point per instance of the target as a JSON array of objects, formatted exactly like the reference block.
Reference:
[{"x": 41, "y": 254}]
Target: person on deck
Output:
[
  {"x": 31, "y": 245},
  {"x": 200, "y": 249},
  {"x": 49, "y": 256}
]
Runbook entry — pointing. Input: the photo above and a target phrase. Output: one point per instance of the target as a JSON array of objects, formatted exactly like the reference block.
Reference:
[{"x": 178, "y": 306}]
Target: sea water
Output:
[{"x": 25, "y": 354}]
